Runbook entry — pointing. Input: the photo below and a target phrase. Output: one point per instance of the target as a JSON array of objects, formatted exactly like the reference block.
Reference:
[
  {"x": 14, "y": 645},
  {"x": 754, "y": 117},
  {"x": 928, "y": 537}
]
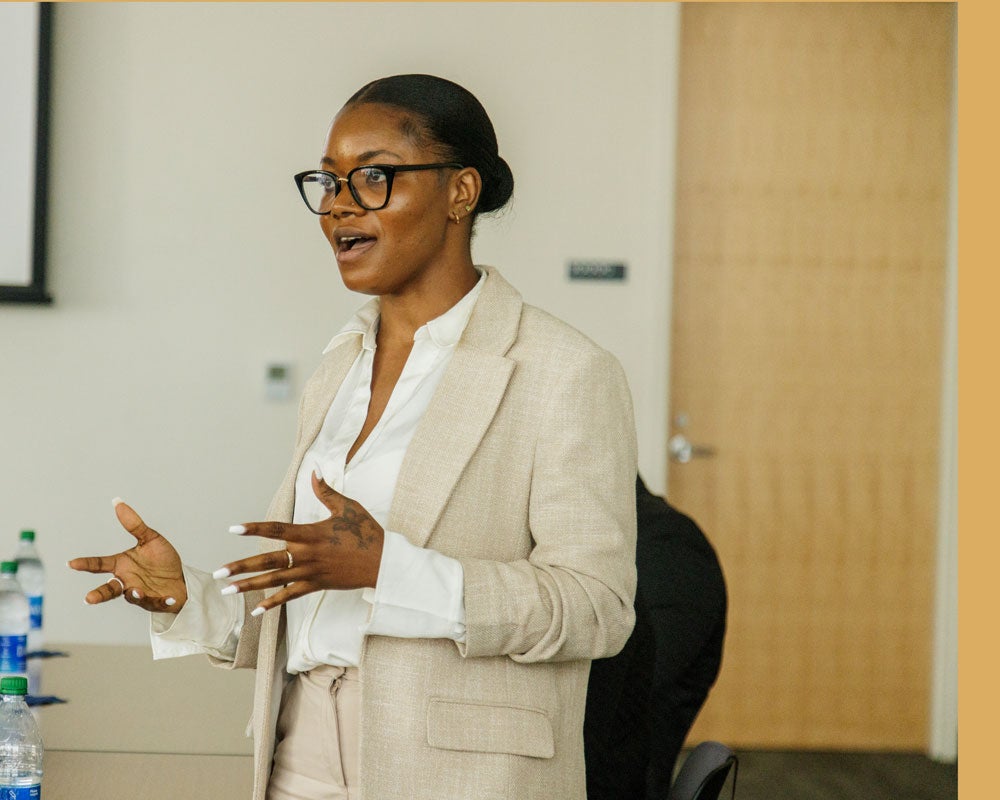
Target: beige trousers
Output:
[{"x": 316, "y": 756}]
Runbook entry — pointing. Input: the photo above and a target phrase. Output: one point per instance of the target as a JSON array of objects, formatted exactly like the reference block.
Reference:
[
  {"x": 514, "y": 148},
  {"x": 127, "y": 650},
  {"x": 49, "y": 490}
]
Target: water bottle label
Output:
[
  {"x": 13, "y": 650},
  {"x": 36, "y": 613},
  {"x": 20, "y": 792}
]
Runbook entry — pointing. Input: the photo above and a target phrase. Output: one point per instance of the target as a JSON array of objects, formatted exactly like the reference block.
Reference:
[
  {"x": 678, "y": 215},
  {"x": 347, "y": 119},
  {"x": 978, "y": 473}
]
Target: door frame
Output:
[{"x": 944, "y": 689}]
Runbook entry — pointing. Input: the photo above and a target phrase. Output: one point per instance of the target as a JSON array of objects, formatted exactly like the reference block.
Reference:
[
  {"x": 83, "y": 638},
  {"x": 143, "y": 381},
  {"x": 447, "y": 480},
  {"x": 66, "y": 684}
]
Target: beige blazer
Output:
[{"x": 523, "y": 468}]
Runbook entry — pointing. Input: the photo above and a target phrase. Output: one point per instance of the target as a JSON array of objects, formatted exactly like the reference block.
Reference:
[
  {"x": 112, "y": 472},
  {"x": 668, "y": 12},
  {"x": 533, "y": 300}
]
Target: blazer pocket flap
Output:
[{"x": 482, "y": 728}]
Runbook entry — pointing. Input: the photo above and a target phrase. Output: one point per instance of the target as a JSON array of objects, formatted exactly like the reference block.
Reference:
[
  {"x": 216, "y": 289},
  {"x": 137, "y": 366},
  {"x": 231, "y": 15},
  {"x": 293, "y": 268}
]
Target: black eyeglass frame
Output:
[{"x": 390, "y": 171}]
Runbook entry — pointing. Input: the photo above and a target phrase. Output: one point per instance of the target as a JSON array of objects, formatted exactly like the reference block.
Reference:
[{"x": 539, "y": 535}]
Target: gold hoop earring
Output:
[{"x": 458, "y": 219}]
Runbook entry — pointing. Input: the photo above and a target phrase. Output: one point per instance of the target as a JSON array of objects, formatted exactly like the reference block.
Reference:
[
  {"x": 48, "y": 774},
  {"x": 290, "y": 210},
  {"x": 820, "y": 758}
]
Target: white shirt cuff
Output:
[
  {"x": 419, "y": 594},
  {"x": 209, "y": 623}
]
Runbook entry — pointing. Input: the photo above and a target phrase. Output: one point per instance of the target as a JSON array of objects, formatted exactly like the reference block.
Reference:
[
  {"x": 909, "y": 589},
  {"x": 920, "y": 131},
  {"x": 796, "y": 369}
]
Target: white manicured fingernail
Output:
[
  {"x": 220, "y": 573},
  {"x": 170, "y": 601},
  {"x": 318, "y": 472},
  {"x": 135, "y": 594},
  {"x": 258, "y": 611},
  {"x": 230, "y": 589},
  {"x": 116, "y": 502},
  {"x": 238, "y": 529}
]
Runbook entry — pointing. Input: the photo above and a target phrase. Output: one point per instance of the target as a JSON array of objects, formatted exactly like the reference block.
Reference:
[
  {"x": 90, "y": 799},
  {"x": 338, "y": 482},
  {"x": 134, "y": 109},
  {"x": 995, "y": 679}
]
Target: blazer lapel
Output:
[
  {"x": 315, "y": 403},
  {"x": 463, "y": 406}
]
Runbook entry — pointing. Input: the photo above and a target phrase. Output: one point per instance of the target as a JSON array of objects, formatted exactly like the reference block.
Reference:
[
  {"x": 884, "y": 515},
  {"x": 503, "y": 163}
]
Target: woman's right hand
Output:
[{"x": 148, "y": 575}]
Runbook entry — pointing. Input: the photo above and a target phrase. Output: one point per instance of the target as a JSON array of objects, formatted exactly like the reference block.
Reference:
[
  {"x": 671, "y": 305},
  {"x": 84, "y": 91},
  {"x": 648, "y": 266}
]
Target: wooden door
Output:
[{"x": 806, "y": 350}]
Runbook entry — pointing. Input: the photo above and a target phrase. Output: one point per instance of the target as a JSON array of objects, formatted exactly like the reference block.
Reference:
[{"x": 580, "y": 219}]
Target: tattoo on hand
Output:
[{"x": 355, "y": 524}]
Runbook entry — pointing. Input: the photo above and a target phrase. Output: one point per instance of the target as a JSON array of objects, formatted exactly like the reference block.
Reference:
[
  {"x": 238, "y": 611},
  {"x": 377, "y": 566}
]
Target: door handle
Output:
[{"x": 682, "y": 451}]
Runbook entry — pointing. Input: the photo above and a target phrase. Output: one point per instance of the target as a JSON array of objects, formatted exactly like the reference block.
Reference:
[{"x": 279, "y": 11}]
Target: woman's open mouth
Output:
[{"x": 352, "y": 244}]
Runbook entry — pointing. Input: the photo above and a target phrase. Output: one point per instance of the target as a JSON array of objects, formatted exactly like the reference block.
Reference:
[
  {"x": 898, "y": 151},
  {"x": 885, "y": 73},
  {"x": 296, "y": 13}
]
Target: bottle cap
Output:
[
  {"x": 28, "y": 536},
  {"x": 13, "y": 685},
  {"x": 8, "y": 567}
]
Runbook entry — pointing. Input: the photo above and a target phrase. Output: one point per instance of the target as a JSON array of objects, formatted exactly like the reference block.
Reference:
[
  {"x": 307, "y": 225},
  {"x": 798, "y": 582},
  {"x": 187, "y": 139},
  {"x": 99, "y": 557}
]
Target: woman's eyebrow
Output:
[{"x": 368, "y": 155}]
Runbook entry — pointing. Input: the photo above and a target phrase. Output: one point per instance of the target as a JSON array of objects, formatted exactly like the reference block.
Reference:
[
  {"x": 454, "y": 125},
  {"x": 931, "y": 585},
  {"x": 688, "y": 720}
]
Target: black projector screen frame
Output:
[{"x": 25, "y": 152}]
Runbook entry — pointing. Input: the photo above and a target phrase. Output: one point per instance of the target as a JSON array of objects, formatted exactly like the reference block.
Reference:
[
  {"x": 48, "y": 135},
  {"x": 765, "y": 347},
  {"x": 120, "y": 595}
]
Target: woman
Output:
[{"x": 454, "y": 539}]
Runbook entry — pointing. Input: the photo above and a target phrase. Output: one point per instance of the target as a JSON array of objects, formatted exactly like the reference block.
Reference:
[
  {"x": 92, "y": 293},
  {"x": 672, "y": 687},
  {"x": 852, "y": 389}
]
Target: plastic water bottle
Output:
[
  {"x": 21, "y": 749},
  {"x": 31, "y": 576},
  {"x": 15, "y": 619}
]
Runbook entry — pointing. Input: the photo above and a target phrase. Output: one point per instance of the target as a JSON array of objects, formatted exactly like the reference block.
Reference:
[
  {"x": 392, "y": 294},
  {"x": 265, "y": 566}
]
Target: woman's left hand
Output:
[{"x": 342, "y": 551}]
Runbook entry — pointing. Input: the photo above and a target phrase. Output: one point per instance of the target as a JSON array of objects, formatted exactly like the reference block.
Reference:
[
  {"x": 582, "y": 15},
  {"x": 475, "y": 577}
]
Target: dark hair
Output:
[{"x": 455, "y": 121}]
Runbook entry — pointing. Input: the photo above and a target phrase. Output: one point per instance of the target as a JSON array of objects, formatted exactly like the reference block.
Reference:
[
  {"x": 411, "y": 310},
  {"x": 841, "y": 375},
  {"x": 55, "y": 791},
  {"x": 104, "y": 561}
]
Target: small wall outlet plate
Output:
[{"x": 278, "y": 381}]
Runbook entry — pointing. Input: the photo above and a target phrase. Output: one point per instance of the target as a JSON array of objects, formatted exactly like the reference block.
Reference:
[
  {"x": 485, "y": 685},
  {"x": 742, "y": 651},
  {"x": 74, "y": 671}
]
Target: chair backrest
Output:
[{"x": 704, "y": 773}]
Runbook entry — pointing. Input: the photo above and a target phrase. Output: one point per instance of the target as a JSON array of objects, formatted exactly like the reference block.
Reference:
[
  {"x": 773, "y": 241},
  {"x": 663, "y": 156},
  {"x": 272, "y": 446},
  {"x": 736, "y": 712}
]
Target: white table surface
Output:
[{"x": 122, "y": 701}]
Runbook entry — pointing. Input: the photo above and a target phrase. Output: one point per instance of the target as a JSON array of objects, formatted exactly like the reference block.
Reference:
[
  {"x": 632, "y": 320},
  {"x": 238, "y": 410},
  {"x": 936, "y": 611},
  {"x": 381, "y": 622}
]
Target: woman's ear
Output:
[{"x": 466, "y": 186}]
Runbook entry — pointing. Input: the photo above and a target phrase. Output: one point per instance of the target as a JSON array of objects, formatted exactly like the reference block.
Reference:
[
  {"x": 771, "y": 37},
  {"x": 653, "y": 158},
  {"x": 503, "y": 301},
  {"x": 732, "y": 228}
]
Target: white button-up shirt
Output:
[{"x": 419, "y": 591}]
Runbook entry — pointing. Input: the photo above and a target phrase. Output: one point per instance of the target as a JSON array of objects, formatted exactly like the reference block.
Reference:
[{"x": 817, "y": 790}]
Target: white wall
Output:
[{"x": 182, "y": 261}]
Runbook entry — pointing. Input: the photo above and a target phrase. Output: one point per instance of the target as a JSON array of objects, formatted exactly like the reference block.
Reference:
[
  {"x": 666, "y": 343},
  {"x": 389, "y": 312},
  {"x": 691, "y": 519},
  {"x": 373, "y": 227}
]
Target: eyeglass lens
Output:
[{"x": 369, "y": 187}]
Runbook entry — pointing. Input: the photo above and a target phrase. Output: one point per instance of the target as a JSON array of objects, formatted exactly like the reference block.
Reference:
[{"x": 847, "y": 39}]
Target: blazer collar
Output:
[{"x": 493, "y": 325}]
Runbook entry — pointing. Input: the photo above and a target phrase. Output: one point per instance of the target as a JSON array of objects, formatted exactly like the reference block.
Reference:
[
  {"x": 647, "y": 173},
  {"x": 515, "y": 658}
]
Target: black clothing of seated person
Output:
[{"x": 642, "y": 702}]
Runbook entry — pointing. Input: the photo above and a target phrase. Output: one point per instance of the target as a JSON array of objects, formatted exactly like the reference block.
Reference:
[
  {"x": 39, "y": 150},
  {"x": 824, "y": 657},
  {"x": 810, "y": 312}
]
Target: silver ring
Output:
[
  {"x": 116, "y": 578},
  {"x": 291, "y": 561}
]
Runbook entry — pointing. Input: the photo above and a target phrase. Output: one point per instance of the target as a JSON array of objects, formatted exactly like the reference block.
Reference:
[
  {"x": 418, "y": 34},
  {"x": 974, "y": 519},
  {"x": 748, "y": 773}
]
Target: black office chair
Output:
[{"x": 704, "y": 773}]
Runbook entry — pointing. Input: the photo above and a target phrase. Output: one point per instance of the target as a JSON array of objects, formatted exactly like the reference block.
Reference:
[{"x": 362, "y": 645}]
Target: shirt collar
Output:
[{"x": 444, "y": 331}]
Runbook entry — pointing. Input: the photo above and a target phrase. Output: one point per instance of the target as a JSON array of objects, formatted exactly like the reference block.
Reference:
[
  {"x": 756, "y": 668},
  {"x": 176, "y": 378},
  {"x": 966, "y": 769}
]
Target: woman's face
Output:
[{"x": 404, "y": 244}]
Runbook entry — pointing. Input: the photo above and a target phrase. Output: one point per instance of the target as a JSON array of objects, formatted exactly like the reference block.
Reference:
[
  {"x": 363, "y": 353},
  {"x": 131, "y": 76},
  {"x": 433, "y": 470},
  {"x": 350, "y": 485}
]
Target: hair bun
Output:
[{"x": 498, "y": 186}]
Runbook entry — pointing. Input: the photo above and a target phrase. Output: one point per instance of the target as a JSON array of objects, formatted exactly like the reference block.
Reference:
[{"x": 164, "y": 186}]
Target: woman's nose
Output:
[{"x": 343, "y": 203}]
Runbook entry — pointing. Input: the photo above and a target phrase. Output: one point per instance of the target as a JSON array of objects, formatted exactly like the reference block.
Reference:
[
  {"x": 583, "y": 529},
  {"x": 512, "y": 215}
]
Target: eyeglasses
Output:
[{"x": 370, "y": 184}]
